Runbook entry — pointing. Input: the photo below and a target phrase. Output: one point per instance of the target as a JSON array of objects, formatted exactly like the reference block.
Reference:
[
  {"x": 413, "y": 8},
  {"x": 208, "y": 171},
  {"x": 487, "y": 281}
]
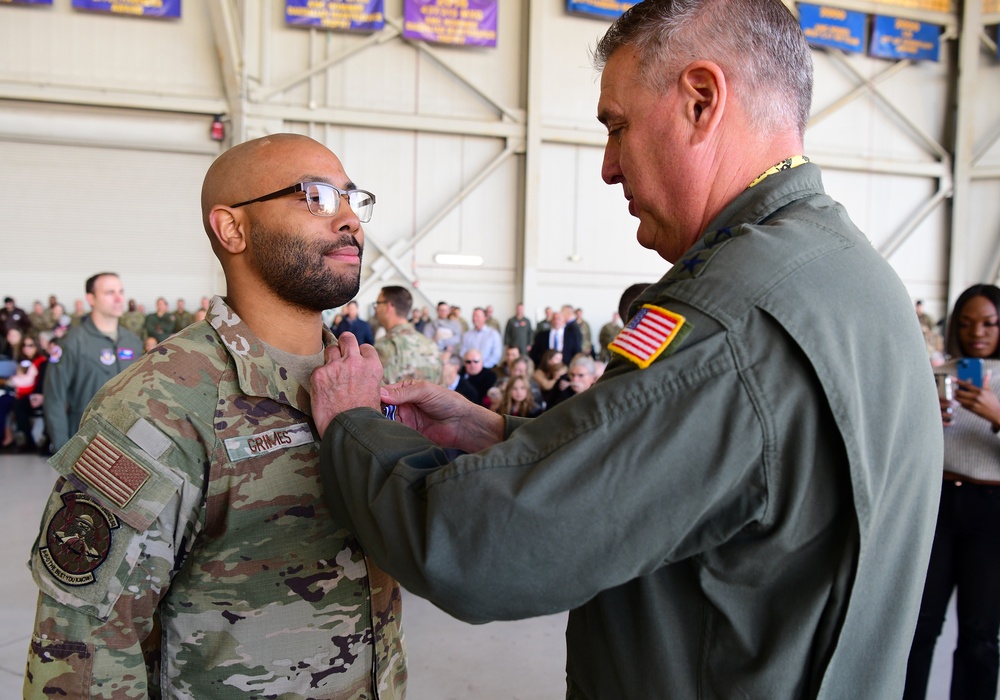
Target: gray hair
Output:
[
  {"x": 757, "y": 43},
  {"x": 581, "y": 360}
]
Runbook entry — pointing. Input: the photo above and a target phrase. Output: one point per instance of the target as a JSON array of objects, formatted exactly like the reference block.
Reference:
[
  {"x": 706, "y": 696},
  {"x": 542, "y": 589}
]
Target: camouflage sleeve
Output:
[
  {"x": 387, "y": 355},
  {"x": 117, "y": 526}
]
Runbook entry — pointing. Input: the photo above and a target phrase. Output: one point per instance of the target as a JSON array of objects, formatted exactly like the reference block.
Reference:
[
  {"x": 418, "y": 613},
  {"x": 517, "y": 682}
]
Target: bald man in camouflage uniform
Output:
[
  {"x": 185, "y": 551},
  {"x": 403, "y": 352},
  {"x": 134, "y": 320}
]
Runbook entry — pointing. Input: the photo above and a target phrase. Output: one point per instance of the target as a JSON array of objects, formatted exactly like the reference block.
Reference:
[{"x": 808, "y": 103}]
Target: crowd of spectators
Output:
[
  {"x": 518, "y": 368},
  {"x": 480, "y": 359},
  {"x": 28, "y": 341},
  {"x": 552, "y": 360}
]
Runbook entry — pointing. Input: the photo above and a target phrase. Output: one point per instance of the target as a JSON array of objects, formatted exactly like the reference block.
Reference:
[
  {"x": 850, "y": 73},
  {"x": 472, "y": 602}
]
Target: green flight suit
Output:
[
  {"x": 78, "y": 367},
  {"x": 750, "y": 516}
]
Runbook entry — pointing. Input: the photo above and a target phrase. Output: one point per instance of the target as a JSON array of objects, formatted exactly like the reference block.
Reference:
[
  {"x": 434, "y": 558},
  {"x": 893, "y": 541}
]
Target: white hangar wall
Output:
[{"x": 492, "y": 153}]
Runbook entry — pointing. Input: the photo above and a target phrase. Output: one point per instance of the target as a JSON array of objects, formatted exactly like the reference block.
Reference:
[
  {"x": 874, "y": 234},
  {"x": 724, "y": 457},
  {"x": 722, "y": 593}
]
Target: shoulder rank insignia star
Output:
[{"x": 648, "y": 334}]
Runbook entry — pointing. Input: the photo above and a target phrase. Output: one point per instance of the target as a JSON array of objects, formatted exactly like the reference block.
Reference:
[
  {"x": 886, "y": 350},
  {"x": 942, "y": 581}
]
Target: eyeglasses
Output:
[
  {"x": 27, "y": 345},
  {"x": 323, "y": 199},
  {"x": 472, "y": 362},
  {"x": 381, "y": 301}
]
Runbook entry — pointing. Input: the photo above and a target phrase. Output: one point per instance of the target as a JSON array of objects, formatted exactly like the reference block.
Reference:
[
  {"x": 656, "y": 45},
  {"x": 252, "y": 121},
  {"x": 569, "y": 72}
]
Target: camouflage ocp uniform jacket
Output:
[
  {"x": 407, "y": 354},
  {"x": 186, "y": 552}
]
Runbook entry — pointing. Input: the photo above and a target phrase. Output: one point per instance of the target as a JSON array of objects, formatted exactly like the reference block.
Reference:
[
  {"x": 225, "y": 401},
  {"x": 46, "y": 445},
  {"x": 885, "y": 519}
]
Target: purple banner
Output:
[
  {"x": 610, "y": 9},
  {"x": 458, "y": 22},
  {"x": 26, "y": 2},
  {"x": 135, "y": 8},
  {"x": 352, "y": 15}
]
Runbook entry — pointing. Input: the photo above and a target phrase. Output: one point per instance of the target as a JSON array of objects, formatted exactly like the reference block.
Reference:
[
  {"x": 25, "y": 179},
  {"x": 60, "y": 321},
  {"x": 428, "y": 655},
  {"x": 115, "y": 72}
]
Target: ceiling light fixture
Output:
[{"x": 455, "y": 259}]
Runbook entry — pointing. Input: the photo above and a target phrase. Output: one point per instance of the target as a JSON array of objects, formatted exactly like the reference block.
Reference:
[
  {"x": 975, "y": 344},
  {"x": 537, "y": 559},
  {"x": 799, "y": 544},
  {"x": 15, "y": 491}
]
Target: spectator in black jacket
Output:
[{"x": 359, "y": 327}]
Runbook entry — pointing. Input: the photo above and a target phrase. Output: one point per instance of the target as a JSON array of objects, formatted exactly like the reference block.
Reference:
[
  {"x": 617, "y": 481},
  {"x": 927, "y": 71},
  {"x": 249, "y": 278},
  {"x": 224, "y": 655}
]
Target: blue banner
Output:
[
  {"x": 456, "y": 22},
  {"x": 894, "y": 37},
  {"x": 136, "y": 8},
  {"x": 351, "y": 15},
  {"x": 833, "y": 27},
  {"x": 611, "y": 9}
]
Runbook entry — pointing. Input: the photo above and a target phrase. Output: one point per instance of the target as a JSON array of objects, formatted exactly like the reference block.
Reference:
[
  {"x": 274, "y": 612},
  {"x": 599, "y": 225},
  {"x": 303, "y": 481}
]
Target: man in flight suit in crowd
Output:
[
  {"x": 90, "y": 354},
  {"x": 743, "y": 504},
  {"x": 186, "y": 551}
]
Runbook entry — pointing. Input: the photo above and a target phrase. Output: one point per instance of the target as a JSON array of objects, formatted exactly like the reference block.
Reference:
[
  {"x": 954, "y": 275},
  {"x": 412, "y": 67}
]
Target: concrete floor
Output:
[{"x": 449, "y": 660}]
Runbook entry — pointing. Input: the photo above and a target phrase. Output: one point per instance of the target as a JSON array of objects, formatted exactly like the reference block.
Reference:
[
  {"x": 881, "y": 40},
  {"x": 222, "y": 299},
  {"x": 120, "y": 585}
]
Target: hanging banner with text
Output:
[
  {"x": 135, "y": 8},
  {"x": 924, "y": 5},
  {"x": 612, "y": 9},
  {"x": 26, "y": 2},
  {"x": 350, "y": 15},
  {"x": 833, "y": 27},
  {"x": 894, "y": 37},
  {"x": 456, "y": 22}
]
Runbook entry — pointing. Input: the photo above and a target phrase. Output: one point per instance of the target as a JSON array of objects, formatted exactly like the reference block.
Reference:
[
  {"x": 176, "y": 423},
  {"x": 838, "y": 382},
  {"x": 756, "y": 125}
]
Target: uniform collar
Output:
[
  {"x": 259, "y": 375},
  {"x": 776, "y": 190}
]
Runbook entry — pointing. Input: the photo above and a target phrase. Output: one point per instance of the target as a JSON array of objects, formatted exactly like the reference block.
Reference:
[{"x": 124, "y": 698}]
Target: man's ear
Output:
[
  {"x": 703, "y": 86},
  {"x": 229, "y": 228}
]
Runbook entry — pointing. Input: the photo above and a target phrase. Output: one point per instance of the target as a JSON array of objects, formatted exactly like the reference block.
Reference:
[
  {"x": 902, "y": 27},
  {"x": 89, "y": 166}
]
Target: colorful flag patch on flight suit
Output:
[
  {"x": 106, "y": 468},
  {"x": 647, "y": 335}
]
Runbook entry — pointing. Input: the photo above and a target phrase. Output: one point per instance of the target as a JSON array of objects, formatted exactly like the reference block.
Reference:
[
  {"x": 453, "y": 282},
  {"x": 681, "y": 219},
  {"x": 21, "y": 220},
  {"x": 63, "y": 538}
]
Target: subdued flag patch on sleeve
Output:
[
  {"x": 109, "y": 470},
  {"x": 648, "y": 334}
]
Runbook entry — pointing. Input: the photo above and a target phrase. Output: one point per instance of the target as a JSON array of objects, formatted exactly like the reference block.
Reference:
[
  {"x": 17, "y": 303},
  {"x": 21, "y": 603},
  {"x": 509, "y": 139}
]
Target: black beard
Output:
[{"x": 295, "y": 269}]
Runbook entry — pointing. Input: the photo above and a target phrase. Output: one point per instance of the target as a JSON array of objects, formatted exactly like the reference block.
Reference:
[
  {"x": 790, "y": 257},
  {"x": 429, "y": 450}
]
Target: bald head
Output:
[{"x": 255, "y": 168}]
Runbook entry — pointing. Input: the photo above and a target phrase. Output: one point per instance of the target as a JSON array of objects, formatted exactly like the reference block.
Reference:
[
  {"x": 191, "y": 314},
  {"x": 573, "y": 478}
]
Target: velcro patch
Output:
[
  {"x": 77, "y": 539},
  {"x": 110, "y": 471},
  {"x": 247, "y": 446},
  {"x": 647, "y": 335}
]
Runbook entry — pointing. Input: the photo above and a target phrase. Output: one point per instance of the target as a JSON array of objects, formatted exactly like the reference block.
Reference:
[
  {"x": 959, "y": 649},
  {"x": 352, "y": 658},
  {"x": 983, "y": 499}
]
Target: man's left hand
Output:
[{"x": 349, "y": 379}]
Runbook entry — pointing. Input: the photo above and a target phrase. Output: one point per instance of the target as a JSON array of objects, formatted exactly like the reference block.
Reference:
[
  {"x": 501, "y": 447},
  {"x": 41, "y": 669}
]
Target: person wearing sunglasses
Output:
[{"x": 187, "y": 548}]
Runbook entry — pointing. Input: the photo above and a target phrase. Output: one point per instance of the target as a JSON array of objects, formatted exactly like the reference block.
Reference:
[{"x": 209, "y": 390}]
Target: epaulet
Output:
[{"x": 694, "y": 262}]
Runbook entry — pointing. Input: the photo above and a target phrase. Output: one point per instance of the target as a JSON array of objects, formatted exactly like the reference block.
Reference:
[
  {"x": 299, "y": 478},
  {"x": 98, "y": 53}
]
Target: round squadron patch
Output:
[
  {"x": 107, "y": 356},
  {"x": 77, "y": 539}
]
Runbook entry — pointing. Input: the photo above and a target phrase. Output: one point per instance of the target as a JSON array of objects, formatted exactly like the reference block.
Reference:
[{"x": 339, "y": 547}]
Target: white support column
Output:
[
  {"x": 962, "y": 269},
  {"x": 528, "y": 255}
]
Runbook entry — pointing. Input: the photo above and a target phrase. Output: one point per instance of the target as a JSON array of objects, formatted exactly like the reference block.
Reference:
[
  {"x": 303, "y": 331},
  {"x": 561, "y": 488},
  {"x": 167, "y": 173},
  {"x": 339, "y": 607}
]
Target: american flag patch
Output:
[
  {"x": 647, "y": 335},
  {"x": 103, "y": 466}
]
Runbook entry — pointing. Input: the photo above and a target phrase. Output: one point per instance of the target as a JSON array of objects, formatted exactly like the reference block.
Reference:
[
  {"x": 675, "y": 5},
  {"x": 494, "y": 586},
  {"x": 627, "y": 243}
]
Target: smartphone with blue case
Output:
[{"x": 970, "y": 369}]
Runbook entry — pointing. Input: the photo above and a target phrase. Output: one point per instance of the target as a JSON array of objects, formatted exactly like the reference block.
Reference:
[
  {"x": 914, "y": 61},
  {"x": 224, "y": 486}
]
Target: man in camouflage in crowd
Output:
[
  {"x": 38, "y": 319},
  {"x": 134, "y": 320},
  {"x": 79, "y": 313},
  {"x": 186, "y": 550},
  {"x": 161, "y": 323},
  {"x": 586, "y": 336},
  {"x": 403, "y": 352},
  {"x": 182, "y": 317}
]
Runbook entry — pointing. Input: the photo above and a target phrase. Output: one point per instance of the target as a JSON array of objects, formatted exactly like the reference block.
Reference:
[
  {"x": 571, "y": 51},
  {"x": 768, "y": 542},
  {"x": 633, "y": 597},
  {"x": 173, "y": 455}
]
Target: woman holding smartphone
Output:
[{"x": 966, "y": 552}]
